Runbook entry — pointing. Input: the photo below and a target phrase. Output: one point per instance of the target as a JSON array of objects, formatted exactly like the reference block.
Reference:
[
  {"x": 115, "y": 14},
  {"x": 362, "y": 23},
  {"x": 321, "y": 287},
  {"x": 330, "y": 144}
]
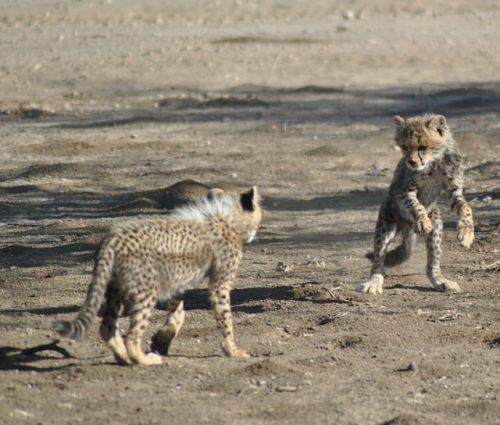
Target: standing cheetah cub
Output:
[
  {"x": 142, "y": 261},
  {"x": 431, "y": 163}
]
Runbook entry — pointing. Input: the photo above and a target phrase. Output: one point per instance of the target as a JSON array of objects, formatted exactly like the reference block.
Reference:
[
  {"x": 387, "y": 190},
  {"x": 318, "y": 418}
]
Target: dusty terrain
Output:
[{"x": 103, "y": 100}]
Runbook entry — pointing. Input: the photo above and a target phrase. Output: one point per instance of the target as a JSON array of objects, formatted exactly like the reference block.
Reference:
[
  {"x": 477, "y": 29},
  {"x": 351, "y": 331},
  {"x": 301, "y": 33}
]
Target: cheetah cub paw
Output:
[
  {"x": 241, "y": 354},
  {"x": 423, "y": 225},
  {"x": 465, "y": 233},
  {"x": 151, "y": 359},
  {"x": 448, "y": 286},
  {"x": 234, "y": 352},
  {"x": 146, "y": 359},
  {"x": 372, "y": 286}
]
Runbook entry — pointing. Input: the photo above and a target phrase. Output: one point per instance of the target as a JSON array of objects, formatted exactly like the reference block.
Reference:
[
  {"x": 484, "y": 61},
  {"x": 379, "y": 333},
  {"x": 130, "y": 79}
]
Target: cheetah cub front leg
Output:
[
  {"x": 219, "y": 297},
  {"x": 465, "y": 222},
  {"x": 465, "y": 225}
]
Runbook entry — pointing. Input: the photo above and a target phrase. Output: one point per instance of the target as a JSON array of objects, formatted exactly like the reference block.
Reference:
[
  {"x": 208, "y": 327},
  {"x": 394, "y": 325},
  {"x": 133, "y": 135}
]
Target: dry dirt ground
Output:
[{"x": 101, "y": 100}]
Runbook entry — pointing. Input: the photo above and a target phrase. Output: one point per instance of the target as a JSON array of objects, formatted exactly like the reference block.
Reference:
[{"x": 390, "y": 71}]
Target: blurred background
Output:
[{"x": 114, "y": 53}]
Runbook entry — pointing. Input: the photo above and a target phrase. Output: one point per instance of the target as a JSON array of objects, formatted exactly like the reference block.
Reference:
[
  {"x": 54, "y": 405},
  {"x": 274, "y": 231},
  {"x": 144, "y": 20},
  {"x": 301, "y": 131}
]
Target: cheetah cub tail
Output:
[
  {"x": 103, "y": 270},
  {"x": 394, "y": 257}
]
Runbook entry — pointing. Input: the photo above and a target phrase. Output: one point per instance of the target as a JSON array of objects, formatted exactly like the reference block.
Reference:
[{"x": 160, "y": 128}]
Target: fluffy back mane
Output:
[{"x": 218, "y": 207}]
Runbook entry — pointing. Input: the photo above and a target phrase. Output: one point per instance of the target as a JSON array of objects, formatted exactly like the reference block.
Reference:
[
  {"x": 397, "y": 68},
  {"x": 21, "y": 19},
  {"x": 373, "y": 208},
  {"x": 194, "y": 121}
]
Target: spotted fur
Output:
[
  {"x": 431, "y": 163},
  {"x": 142, "y": 261}
]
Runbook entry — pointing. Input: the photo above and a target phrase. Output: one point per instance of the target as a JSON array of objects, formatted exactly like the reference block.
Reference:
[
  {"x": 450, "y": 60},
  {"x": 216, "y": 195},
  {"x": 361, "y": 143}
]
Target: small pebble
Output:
[{"x": 349, "y": 15}]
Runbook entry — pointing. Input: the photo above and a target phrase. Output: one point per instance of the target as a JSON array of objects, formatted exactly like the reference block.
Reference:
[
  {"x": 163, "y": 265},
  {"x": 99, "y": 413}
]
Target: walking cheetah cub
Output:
[
  {"x": 142, "y": 261},
  {"x": 431, "y": 163}
]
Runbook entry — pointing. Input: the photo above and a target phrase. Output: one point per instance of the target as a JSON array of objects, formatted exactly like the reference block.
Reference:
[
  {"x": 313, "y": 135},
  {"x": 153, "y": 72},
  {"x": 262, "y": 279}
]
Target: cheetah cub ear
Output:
[
  {"x": 252, "y": 214},
  {"x": 250, "y": 200},
  {"x": 399, "y": 121},
  {"x": 437, "y": 123}
]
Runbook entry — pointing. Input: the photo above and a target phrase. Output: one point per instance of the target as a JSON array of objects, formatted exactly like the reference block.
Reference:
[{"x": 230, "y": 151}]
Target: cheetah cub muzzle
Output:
[
  {"x": 142, "y": 261},
  {"x": 431, "y": 163}
]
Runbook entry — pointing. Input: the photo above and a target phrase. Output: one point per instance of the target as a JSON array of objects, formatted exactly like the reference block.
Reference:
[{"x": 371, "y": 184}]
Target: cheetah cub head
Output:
[
  {"x": 422, "y": 139},
  {"x": 251, "y": 213}
]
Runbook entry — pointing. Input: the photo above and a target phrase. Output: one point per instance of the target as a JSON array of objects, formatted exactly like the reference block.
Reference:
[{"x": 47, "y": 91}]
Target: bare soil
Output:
[{"x": 105, "y": 100}]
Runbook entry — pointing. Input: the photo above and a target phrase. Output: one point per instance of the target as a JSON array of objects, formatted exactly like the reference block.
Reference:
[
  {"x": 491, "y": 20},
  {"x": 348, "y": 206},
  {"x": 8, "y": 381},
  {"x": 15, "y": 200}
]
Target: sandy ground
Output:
[{"x": 104, "y": 99}]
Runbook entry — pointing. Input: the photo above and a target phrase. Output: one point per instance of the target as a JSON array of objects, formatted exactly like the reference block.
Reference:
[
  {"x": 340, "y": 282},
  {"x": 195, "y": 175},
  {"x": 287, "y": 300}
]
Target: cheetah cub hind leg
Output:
[
  {"x": 162, "y": 339},
  {"x": 384, "y": 233},
  {"x": 139, "y": 318}
]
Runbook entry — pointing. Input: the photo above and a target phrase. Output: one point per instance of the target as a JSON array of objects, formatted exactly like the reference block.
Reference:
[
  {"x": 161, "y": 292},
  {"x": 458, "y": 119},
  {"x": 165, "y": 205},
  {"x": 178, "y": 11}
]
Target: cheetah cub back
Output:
[
  {"x": 431, "y": 163},
  {"x": 142, "y": 261}
]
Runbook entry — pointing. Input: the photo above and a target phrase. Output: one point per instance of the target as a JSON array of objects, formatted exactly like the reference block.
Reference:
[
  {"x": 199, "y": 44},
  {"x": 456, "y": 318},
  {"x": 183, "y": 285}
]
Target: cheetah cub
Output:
[
  {"x": 431, "y": 163},
  {"x": 142, "y": 261}
]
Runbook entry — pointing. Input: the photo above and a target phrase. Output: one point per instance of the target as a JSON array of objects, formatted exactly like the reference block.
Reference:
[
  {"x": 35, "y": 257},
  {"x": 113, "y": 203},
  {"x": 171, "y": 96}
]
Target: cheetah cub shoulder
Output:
[
  {"x": 431, "y": 163},
  {"x": 142, "y": 261}
]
